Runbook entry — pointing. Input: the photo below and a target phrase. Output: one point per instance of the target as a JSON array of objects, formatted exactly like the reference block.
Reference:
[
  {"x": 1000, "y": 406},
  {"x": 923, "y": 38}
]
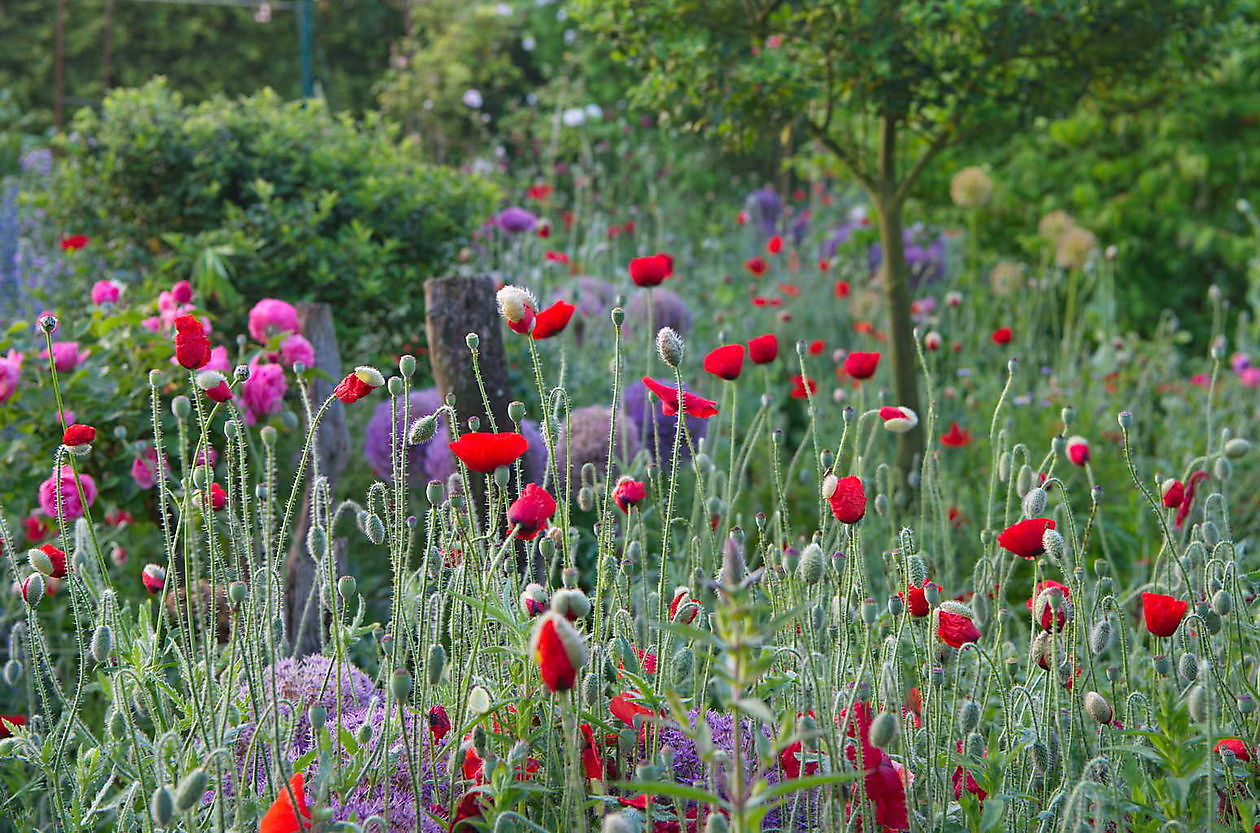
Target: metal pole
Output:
[{"x": 306, "y": 26}]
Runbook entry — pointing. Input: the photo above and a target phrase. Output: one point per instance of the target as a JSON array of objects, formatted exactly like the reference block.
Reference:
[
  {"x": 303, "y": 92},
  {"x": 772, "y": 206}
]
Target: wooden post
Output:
[{"x": 332, "y": 452}]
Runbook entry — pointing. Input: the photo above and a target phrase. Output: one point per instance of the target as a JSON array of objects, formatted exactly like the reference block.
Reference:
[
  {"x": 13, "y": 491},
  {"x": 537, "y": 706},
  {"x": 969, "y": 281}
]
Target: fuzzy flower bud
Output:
[
  {"x": 1097, "y": 707},
  {"x": 669, "y": 346}
]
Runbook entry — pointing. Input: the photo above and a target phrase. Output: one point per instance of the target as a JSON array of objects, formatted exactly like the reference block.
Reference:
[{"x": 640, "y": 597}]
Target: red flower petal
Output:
[{"x": 483, "y": 452}]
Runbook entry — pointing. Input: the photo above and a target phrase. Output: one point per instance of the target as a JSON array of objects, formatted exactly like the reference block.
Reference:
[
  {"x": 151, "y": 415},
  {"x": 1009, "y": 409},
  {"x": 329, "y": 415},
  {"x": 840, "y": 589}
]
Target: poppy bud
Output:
[
  {"x": 1222, "y": 469},
  {"x": 572, "y": 604},
  {"x": 190, "y": 790},
  {"x": 1172, "y": 493},
  {"x": 669, "y": 346},
  {"x": 1200, "y": 703},
  {"x": 33, "y": 589},
  {"x": 400, "y": 685},
  {"x": 13, "y": 672},
  {"x": 1100, "y": 636},
  {"x": 358, "y": 384},
  {"x": 162, "y": 806},
  {"x": 884, "y": 729},
  {"x": 41, "y": 562},
  {"x": 1222, "y": 602},
  {"x": 621, "y": 822},
  {"x": 435, "y": 664},
  {"x": 1188, "y": 666},
  {"x": 1237, "y": 448},
  {"x": 102, "y": 642},
  {"x": 558, "y": 650},
  {"x": 1097, "y": 707},
  {"x": 422, "y": 430},
  {"x": 1040, "y": 756},
  {"x": 1034, "y": 502},
  {"x": 372, "y": 526},
  {"x": 973, "y": 746},
  {"x": 810, "y": 568},
  {"x": 968, "y": 716}
]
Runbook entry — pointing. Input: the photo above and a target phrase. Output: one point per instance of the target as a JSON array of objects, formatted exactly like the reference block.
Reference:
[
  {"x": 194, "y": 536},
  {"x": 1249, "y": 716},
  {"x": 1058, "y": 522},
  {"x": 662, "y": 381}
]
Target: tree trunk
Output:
[
  {"x": 455, "y": 307},
  {"x": 894, "y": 277},
  {"x": 304, "y": 618}
]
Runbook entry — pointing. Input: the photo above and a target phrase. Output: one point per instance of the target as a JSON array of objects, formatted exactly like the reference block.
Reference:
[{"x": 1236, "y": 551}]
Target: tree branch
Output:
[
  {"x": 938, "y": 144},
  {"x": 849, "y": 160}
]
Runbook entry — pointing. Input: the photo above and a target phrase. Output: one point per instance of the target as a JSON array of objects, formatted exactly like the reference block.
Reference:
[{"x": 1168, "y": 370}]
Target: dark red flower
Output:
[
  {"x": 695, "y": 406},
  {"x": 651, "y": 270},
  {"x": 543, "y": 230},
  {"x": 774, "y": 245},
  {"x": 955, "y": 629},
  {"x": 916, "y": 599},
  {"x": 1047, "y": 613},
  {"x": 1163, "y": 614},
  {"x": 74, "y": 242},
  {"x": 529, "y": 513},
  {"x": 218, "y": 497},
  {"x": 285, "y": 815},
  {"x": 552, "y": 320},
  {"x": 756, "y": 266},
  {"x": 848, "y": 500},
  {"x": 861, "y": 365},
  {"x": 627, "y": 710},
  {"x": 592, "y": 763},
  {"x": 1187, "y": 501},
  {"x": 1235, "y": 745},
  {"x": 9, "y": 720},
  {"x": 1024, "y": 538},
  {"x": 77, "y": 434},
  {"x": 963, "y": 779},
  {"x": 629, "y": 493},
  {"x": 484, "y": 452},
  {"x": 802, "y": 387},
  {"x": 439, "y": 723},
  {"x": 58, "y": 559},
  {"x": 764, "y": 348},
  {"x": 35, "y": 529},
  {"x": 725, "y": 362},
  {"x": 192, "y": 348},
  {"x": 358, "y": 384},
  {"x": 842, "y": 289},
  {"x": 790, "y": 761},
  {"x": 1002, "y": 335},
  {"x": 956, "y": 437},
  {"x": 472, "y": 805}
]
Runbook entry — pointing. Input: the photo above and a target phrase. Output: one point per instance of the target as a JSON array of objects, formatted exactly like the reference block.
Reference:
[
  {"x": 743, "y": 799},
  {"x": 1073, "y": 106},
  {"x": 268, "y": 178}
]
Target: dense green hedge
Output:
[{"x": 256, "y": 197}]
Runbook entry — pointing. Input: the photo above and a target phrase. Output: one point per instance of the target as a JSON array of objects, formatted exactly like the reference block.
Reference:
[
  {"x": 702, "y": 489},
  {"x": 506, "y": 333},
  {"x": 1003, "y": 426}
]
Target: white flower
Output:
[
  {"x": 573, "y": 117},
  {"x": 472, "y": 99}
]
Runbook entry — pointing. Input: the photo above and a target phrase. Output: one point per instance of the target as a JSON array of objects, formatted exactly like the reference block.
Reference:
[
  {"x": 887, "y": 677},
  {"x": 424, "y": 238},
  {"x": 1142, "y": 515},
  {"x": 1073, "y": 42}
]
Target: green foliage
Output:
[
  {"x": 203, "y": 49},
  {"x": 271, "y": 198}
]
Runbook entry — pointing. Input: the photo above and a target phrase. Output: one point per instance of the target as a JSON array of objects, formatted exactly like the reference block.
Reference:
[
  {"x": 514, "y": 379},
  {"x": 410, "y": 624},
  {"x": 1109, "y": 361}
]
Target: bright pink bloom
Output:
[
  {"x": 182, "y": 292},
  {"x": 66, "y": 355},
  {"x": 263, "y": 392},
  {"x": 144, "y": 468},
  {"x": 10, "y": 371},
  {"x": 294, "y": 349},
  {"x": 105, "y": 292},
  {"x": 71, "y": 506},
  {"x": 270, "y": 317}
]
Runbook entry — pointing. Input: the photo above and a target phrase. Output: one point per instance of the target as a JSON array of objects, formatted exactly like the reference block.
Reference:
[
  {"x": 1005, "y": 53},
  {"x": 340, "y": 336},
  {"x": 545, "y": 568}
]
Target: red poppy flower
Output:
[
  {"x": 36, "y": 529},
  {"x": 439, "y": 722},
  {"x": 848, "y": 499},
  {"x": 916, "y": 599},
  {"x": 552, "y": 320},
  {"x": 651, "y": 270},
  {"x": 1172, "y": 493},
  {"x": 153, "y": 577},
  {"x": 695, "y": 406},
  {"x": 74, "y": 242},
  {"x": 963, "y": 779},
  {"x": 861, "y": 365},
  {"x": 558, "y": 650},
  {"x": 628, "y": 494},
  {"x": 592, "y": 763},
  {"x": 725, "y": 362},
  {"x": 472, "y": 805},
  {"x": 218, "y": 497},
  {"x": 683, "y": 598},
  {"x": 1235, "y": 745},
  {"x": 288, "y": 815},
  {"x": 1187, "y": 501},
  {"x": 219, "y": 393},
  {"x": 1163, "y": 614},
  {"x": 790, "y": 760},
  {"x": 842, "y": 289},
  {"x": 1024, "y": 538},
  {"x": 956, "y": 437},
  {"x": 58, "y": 559},
  {"x": 538, "y": 192},
  {"x": 484, "y": 452},
  {"x": 557, "y": 257},
  {"x": 741, "y": 219},
  {"x": 529, "y": 513},
  {"x": 824, "y": 265},
  {"x": 543, "y": 230},
  {"x": 802, "y": 387},
  {"x": 764, "y": 348},
  {"x": 192, "y": 348},
  {"x": 1002, "y": 335},
  {"x": 817, "y": 346},
  {"x": 77, "y": 434},
  {"x": 756, "y": 266},
  {"x": 358, "y": 384},
  {"x": 790, "y": 289},
  {"x": 1078, "y": 450},
  {"x": 9, "y": 720},
  {"x": 1048, "y": 615},
  {"x": 956, "y": 630},
  {"x": 774, "y": 245},
  {"x": 626, "y": 710},
  {"x": 898, "y": 419}
]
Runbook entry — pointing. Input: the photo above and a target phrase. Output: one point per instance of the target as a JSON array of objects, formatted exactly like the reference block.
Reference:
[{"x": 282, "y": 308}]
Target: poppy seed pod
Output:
[
  {"x": 1097, "y": 707},
  {"x": 347, "y": 586}
]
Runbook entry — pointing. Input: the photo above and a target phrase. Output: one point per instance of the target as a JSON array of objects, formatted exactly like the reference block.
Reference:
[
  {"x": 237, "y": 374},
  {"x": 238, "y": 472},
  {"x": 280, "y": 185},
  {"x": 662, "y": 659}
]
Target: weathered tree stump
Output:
[{"x": 331, "y": 453}]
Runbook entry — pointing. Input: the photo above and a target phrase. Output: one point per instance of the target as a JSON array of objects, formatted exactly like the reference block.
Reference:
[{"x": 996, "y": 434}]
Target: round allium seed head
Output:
[
  {"x": 669, "y": 346},
  {"x": 971, "y": 188},
  {"x": 1097, "y": 707}
]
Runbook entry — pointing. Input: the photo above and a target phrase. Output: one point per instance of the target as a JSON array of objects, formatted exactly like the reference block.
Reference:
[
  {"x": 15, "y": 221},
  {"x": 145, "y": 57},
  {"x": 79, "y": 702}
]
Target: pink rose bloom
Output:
[
  {"x": 10, "y": 370},
  {"x": 271, "y": 316},
  {"x": 105, "y": 292},
  {"x": 263, "y": 391},
  {"x": 1250, "y": 377},
  {"x": 296, "y": 349},
  {"x": 66, "y": 355},
  {"x": 144, "y": 468},
  {"x": 70, "y": 503}
]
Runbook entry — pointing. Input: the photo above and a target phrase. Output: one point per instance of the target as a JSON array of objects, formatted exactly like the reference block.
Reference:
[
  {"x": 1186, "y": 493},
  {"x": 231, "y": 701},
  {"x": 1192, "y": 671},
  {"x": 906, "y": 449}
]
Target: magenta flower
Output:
[
  {"x": 10, "y": 370},
  {"x": 515, "y": 220},
  {"x": 296, "y": 348},
  {"x": 271, "y": 316},
  {"x": 66, "y": 356},
  {"x": 263, "y": 391},
  {"x": 219, "y": 360},
  {"x": 105, "y": 292},
  {"x": 142, "y": 469},
  {"x": 72, "y": 508}
]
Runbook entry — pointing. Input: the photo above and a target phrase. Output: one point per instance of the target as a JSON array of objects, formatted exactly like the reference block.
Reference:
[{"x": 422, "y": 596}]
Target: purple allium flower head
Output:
[
  {"x": 656, "y": 431},
  {"x": 430, "y": 460},
  {"x": 799, "y": 227},
  {"x": 1239, "y": 362},
  {"x": 515, "y": 220},
  {"x": 271, "y": 316},
  {"x": 668, "y": 310},
  {"x": 585, "y": 440},
  {"x": 263, "y": 392},
  {"x": 71, "y": 506},
  {"x": 766, "y": 206}
]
